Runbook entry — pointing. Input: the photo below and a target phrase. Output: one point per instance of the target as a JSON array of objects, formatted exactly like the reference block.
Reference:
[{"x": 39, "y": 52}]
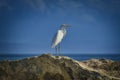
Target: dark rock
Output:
[
  {"x": 52, "y": 76},
  {"x": 48, "y": 67}
]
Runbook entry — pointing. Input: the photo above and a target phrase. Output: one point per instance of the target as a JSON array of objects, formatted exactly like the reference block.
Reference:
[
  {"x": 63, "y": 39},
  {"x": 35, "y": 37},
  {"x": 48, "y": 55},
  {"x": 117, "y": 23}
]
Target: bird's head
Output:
[{"x": 64, "y": 26}]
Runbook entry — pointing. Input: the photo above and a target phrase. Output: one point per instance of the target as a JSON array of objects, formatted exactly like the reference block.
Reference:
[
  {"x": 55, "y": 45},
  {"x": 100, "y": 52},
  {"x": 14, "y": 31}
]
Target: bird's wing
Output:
[{"x": 57, "y": 38}]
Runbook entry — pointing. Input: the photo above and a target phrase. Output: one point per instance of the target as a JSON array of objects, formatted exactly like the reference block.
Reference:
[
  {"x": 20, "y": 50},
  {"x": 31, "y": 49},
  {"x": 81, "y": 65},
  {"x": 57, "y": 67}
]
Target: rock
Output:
[
  {"x": 48, "y": 67},
  {"x": 106, "y": 66}
]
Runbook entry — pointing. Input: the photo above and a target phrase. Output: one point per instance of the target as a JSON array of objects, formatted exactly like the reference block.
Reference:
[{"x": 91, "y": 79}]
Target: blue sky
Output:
[{"x": 28, "y": 26}]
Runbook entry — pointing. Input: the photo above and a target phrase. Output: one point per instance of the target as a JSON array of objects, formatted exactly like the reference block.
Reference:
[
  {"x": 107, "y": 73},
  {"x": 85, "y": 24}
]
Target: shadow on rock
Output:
[{"x": 52, "y": 76}]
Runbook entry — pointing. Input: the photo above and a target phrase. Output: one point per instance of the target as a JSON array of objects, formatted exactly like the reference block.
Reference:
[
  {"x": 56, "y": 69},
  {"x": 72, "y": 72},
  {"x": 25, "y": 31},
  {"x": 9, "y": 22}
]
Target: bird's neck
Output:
[{"x": 63, "y": 30}]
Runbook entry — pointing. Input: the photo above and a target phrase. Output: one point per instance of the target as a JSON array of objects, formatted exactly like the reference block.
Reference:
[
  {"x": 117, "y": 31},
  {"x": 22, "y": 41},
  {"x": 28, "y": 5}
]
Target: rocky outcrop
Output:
[
  {"x": 108, "y": 67},
  {"x": 48, "y": 67}
]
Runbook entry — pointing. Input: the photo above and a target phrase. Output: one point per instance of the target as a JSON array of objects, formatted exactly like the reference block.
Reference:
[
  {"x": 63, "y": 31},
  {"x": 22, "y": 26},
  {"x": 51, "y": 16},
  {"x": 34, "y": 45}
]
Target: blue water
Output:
[
  {"x": 80, "y": 57},
  {"x": 74, "y": 56}
]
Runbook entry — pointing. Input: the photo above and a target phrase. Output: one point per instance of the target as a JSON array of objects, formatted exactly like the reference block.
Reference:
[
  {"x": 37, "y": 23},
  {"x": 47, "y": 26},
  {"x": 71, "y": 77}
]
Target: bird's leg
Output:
[{"x": 58, "y": 49}]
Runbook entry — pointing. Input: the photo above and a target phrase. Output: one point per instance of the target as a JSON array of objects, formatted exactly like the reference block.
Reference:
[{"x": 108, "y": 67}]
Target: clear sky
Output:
[{"x": 28, "y": 26}]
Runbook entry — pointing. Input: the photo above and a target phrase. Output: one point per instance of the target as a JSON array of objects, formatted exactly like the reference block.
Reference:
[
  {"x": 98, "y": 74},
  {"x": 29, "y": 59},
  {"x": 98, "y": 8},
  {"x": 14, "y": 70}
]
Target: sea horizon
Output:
[{"x": 76, "y": 56}]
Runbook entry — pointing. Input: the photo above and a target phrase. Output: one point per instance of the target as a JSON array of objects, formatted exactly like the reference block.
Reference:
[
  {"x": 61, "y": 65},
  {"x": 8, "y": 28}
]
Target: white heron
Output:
[{"x": 58, "y": 37}]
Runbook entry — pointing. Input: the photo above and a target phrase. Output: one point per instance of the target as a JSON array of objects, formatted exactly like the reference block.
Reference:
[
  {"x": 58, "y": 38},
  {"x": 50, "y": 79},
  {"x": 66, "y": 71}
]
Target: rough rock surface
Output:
[
  {"x": 48, "y": 67},
  {"x": 107, "y": 67}
]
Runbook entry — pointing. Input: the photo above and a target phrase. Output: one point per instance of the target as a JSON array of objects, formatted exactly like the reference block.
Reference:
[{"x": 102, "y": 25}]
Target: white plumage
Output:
[{"x": 57, "y": 38}]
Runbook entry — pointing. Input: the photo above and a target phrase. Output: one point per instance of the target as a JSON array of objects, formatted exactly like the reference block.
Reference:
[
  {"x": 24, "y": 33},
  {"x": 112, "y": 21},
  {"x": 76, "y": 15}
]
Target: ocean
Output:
[{"x": 79, "y": 57}]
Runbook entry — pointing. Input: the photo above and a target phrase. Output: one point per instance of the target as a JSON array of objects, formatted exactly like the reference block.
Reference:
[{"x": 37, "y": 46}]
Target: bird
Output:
[{"x": 58, "y": 37}]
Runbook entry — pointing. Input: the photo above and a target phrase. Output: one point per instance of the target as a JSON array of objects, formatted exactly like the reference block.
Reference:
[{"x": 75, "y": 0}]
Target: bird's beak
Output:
[{"x": 68, "y": 26}]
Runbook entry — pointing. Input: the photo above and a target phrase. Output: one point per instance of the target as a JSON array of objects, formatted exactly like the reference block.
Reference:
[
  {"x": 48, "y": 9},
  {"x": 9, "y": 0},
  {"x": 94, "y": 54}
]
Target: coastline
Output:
[{"x": 49, "y": 67}]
